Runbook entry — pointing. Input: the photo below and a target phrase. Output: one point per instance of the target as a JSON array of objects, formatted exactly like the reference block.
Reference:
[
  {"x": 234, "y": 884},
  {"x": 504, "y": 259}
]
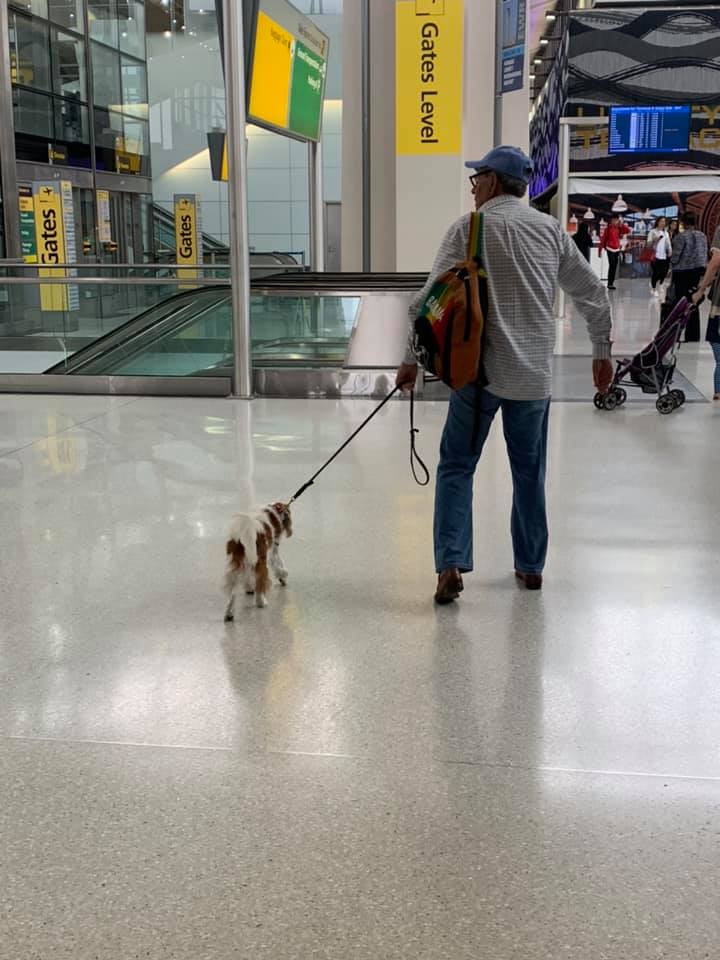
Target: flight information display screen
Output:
[{"x": 649, "y": 129}]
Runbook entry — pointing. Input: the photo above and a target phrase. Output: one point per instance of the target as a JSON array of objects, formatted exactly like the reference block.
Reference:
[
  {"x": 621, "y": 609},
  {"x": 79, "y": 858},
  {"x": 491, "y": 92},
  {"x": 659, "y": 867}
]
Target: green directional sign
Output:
[
  {"x": 306, "y": 92},
  {"x": 288, "y": 57}
]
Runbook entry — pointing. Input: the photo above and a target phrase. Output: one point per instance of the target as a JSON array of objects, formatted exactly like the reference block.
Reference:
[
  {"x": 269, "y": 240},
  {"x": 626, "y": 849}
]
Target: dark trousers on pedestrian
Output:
[
  {"x": 685, "y": 283},
  {"x": 659, "y": 271},
  {"x": 525, "y": 424},
  {"x": 613, "y": 260}
]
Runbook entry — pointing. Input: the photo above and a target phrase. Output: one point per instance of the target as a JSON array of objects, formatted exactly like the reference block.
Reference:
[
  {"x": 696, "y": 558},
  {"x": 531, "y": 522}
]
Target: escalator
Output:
[{"x": 311, "y": 335}]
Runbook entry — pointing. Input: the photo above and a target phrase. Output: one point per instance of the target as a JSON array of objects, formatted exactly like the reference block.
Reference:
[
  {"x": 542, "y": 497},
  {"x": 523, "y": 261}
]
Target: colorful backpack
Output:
[{"x": 449, "y": 327}]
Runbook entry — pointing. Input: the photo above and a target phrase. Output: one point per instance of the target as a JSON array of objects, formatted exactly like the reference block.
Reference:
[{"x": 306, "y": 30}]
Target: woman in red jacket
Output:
[{"x": 611, "y": 241}]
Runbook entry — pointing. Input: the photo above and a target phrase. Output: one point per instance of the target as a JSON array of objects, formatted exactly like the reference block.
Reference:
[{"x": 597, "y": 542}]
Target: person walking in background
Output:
[
  {"x": 583, "y": 239},
  {"x": 659, "y": 241},
  {"x": 527, "y": 256},
  {"x": 674, "y": 229},
  {"x": 710, "y": 277},
  {"x": 611, "y": 242},
  {"x": 689, "y": 260}
]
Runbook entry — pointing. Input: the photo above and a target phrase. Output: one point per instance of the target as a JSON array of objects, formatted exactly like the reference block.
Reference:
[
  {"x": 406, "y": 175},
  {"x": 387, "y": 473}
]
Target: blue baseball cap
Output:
[{"x": 508, "y": 160}]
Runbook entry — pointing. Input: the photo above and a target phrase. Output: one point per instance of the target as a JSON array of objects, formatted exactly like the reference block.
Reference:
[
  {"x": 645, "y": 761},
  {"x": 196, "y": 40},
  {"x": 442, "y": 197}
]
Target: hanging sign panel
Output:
[
  {"x": 68, "y": 212},
  {"x": 288, "y": 71},
  {"x": 103, "y": 216},
  {"x": 514, "y": 45},
  {"x": 28, "y": 241},
  {"x": 429, "y": 77},
  {"x": 50, "y": 236},
  {"x": 188, "y": 236}
]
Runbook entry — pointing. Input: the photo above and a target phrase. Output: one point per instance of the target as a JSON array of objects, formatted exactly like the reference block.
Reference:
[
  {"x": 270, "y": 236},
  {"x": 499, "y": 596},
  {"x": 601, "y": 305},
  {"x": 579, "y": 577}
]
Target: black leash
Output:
[{"x": 415, "y": 459}]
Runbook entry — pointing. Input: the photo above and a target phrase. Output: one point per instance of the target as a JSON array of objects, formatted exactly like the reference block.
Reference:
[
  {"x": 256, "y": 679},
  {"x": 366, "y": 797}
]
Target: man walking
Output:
[{"x": 527, "y": 255}]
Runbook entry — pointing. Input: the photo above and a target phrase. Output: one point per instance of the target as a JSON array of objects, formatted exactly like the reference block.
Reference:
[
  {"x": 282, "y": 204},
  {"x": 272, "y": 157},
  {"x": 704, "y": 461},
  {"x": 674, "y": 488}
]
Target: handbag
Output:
[{"x": 647, "y": 255}]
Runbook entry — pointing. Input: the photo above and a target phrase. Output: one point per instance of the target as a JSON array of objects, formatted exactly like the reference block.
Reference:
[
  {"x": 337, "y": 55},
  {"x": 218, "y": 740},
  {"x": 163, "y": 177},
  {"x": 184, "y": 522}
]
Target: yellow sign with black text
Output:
[
  {"x": 187, "y": 234},
  {"x": 429, "y": 77},
  {"x": 50, "y": 236}
]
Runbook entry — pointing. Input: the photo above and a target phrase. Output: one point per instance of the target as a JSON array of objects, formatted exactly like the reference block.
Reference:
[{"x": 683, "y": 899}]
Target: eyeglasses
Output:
[{"x": 476, "y": 177}]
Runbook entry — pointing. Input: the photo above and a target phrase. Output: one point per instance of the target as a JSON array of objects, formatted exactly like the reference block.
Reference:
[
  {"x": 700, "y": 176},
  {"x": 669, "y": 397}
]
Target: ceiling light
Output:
[
  {"x": 619, "y": 206},
  {"x": 588, "y": 215},
  {"x": 550, "y": 17},
  {"x": 544, "y": 41}
]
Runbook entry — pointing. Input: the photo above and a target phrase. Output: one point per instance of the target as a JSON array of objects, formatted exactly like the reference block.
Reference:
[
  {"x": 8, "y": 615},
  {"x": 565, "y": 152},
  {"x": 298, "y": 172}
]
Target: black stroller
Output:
[{"x": 652, "y": 370}]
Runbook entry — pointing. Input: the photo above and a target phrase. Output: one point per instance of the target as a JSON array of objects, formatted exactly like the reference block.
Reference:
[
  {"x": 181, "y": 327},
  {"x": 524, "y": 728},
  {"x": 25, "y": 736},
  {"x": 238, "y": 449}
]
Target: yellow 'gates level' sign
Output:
[
  {"x": 429, "y": 77},
  {"x": 50, "y": 234}
]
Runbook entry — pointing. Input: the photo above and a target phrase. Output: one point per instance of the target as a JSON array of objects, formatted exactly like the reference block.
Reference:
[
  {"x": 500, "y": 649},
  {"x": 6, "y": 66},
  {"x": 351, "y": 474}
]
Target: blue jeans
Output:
[
  {"x": 716, "y": 351},
  {"x": 525, "y": 424}
]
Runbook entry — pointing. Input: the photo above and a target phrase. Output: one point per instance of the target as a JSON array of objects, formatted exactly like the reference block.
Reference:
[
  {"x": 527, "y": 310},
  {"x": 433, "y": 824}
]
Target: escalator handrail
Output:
[
  {"x": 124, "y": 331},
  {"x": 143, "y": 340},
  {"x": 212, "y": 244}
]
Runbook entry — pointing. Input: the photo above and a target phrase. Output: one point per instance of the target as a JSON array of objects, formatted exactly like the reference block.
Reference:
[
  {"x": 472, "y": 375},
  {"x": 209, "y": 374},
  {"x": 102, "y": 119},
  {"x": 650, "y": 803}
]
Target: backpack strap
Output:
[
  {"x": 475, "y": 253},
  {"x": 475, "y": 242}
]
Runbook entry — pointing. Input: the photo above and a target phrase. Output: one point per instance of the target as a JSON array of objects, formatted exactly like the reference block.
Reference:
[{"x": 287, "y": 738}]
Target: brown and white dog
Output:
[{"x": 253, "y": 547}]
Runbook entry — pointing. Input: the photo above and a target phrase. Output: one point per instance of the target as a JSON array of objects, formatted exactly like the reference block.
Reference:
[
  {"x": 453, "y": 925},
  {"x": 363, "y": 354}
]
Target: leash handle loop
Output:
[
  {"x": 419, "y": 470},
  {"x": 416, "y": 461}
]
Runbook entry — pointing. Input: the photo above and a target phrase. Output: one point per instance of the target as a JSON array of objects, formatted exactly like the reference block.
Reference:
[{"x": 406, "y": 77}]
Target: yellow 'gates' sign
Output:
[
  {"x": 429, "y": 77},
  {"x": 187, "y": 234},
  {"x": 50, "y": 234}
]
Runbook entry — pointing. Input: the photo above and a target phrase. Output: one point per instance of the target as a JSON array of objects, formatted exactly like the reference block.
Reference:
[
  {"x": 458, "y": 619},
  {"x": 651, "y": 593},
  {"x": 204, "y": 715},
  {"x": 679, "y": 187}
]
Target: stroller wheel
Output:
[
  {"x": 599, "y": 400},
  {"x": 665, "y": 404},
  {"x": 610, "y": 401},
  {"x": 620, "y": 395},
  {"x": 679, "y": 397}
]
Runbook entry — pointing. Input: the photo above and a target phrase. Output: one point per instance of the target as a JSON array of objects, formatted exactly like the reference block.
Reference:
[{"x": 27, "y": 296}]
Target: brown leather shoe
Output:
[
  {"x": 532, "y": 581},
  {"x": 450, "y": 586}
]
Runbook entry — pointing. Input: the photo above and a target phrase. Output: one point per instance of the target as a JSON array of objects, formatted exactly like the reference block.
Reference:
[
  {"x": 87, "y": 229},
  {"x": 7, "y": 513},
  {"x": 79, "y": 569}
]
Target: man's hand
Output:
[
  {"x": 698, "y": 296},
  {"x": 406, "y": 376},
  {"x": 603, "y": 373}
]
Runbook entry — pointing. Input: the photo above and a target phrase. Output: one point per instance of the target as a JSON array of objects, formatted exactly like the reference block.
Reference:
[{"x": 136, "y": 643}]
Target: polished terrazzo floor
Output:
[{"x": 352, "y": 773}]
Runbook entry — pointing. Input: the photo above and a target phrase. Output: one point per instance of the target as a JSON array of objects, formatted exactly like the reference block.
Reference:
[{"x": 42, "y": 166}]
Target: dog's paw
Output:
[
  {"x": 250, "y": 593},
  {"x": 229, "y": 618},
  {"x": 283, "y": 579},
  {"x": 260, "y": 600}
]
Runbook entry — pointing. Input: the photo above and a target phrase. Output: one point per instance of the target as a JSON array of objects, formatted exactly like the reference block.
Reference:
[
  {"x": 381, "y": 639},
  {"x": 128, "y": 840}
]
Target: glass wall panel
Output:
[
  {"x": 108, "y": 127},
  {"x": 137, "y": 136},
  {"x": 132, "y": 29},
  {"x": 33, "y": 114},
  {"x": 29, "y": 52},
  {"x": 134, "y": 87},
  {"x": 106, "y": 76},
  {"x": 68, "y": 13},
  {"x": 68, "y": 65},
  {"x": 103, "y": 21},
  {"x": 71, "y": 122}
]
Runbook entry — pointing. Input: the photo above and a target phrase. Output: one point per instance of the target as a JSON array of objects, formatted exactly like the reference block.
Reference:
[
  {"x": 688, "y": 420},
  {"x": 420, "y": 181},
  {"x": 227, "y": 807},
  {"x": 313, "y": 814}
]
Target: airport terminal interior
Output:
[{"x": 215, "y": 218}]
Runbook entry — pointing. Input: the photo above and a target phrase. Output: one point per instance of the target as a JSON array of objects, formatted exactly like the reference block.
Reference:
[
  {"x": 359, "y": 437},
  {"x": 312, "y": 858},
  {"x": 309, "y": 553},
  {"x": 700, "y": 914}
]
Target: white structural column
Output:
[
  {"x": 417, "y": 193},
  {"x": 237, "y": 195}
]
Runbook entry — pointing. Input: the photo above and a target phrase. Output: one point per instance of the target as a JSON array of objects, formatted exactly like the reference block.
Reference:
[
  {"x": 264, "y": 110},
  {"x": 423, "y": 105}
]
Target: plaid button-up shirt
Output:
[{"x": 527, "y": 256}]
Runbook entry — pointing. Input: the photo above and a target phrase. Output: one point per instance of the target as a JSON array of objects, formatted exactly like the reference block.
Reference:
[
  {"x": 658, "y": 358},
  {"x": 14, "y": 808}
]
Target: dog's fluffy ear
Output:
[{"x": 283, "y": 510}]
